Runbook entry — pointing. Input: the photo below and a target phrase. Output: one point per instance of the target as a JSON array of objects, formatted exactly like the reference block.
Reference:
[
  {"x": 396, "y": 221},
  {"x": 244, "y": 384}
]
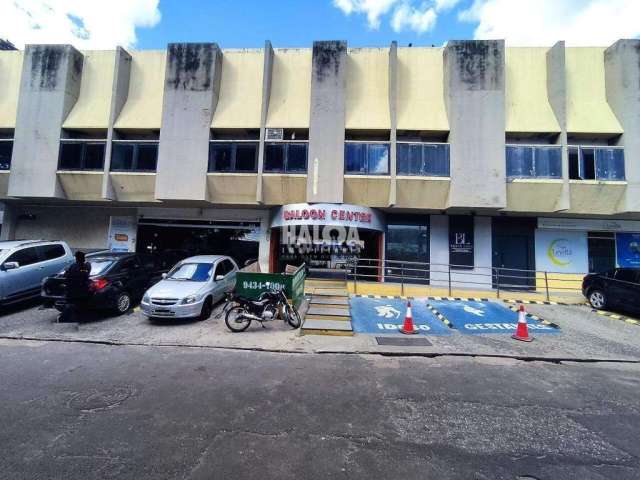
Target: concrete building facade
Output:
[{"x": 474, "y": 158}]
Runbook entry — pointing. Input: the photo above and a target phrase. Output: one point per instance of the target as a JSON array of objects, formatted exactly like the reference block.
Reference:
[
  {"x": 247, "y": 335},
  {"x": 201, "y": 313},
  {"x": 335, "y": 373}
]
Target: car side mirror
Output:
[
  {"x": 219, "y": 277},
  {"x": 164, "y": 275},
  {"x": 10, "y": 265}
]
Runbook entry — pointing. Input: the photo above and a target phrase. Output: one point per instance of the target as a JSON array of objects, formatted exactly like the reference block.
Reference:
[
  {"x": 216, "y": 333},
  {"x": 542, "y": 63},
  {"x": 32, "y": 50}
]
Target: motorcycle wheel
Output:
[
  {"x": 292, "y": 316},
  {"x": 235, "y": 319}
]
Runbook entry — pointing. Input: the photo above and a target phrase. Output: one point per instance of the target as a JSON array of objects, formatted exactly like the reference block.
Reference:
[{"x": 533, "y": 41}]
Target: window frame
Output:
[
  {"x": 285, "y": 160},
  {"x": 595, "y": 148},
  {"x": 22, "y": 249},
  {"x": 423, "y": 171},
  {"x": 367, "y": 158},
  {"x": 83, "y": 155},
  {"x": 234, "y": 151},
  {"x": 42, "y": 251},
  {"x": 535, "y": 149},
  {"x": 5, "y": 141},
  {"x": 135, "y": 156}
]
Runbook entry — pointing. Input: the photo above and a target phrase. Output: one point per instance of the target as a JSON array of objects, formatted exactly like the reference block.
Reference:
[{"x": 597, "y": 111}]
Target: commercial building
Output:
[{"x": 472, "y": 154}]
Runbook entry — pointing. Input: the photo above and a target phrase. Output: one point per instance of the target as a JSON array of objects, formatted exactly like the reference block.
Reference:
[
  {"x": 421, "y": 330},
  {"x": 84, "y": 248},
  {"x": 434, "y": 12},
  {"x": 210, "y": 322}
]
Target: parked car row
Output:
[{"x": 168, "y": 285}]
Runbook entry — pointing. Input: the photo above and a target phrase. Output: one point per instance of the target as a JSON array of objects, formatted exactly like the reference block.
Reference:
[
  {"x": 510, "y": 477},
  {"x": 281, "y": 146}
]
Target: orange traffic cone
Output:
[
  {"x": 522, "y": 332},
  {"x": 408, "y": 327}
]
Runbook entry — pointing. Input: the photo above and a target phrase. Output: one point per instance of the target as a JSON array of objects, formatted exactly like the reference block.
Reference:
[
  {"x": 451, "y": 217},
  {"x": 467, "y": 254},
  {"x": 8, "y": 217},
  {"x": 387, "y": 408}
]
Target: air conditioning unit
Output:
[{"x": 274, "y": 134}]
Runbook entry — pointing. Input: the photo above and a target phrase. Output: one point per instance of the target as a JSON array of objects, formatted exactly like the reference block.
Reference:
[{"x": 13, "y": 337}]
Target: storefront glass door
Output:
[{"x": 407, "y": 250}]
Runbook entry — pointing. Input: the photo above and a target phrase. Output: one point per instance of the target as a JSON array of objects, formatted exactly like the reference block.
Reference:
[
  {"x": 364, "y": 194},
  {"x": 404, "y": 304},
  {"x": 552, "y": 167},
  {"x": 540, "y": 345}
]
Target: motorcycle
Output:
[{"x": 268, "y": 307}]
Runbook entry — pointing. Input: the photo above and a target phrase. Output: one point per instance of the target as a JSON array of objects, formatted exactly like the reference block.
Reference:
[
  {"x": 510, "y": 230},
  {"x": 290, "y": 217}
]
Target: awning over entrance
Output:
[{"x": 340, "y": 215}]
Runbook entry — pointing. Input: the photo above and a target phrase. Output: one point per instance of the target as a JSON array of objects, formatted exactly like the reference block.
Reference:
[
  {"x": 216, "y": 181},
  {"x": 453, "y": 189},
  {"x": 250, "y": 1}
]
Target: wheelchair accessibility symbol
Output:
[{"x": 387, "y": 311}]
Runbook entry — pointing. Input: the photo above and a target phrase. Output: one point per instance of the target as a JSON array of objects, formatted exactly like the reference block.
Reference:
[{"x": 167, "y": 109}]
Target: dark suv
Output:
[
  {"x": 117, "y": 280},
  {"x": 618, "y": 288}
]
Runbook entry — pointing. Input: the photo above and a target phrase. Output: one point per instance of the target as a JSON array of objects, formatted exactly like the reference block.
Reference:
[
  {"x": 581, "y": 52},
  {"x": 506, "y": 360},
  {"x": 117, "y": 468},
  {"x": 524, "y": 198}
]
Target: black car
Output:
[
  {"x": 618, "y": 288},
  {"x": 117, "y": 280}
]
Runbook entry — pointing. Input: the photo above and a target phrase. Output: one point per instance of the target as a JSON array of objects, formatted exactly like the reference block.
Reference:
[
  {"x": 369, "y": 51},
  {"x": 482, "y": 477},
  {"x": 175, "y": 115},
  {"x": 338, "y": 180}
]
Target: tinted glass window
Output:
[
  {"x": 378, "y": 161},
  {"x": 229, "y": 265},
  {"x": 221, "y": 268},
  {"x": 297, "y": 157},
  {"x": 610, "y": 164},
  {"x": 627, "y": 275},
  {"x": 49, "y": 252},
  {"x": 70, "y": 156},
  {"x": 409, "y": 159},
  {"x": 355, "y": 157},
  {"x": 5, "y": 155},
  {"x": 94, "y": 156},
  {"x": 246, "y": 157},
  {"x": 122, "y": 156},
  {"x": 26, "y": 256},
  {"x": 147, "y": 157},
  {"x": 99, "y": 265},
  {"x": 274, "y": 157},
  {"x": 548, "y": 162},
  {"x": 220, "y": 157},
  {"x": 520, "y": 162}
]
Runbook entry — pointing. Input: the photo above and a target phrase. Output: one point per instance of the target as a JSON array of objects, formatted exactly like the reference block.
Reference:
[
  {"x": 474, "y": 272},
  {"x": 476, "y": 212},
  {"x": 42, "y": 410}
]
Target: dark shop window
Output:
[
  {"x": 6, "y": 148},
  {"x": 81, "y": 155},
  {"x": 134, "y": 157},
  {"x": 233, "y": 157},
  {"x": 366, "y": 158},
  {"x": 285, "y": 157}
]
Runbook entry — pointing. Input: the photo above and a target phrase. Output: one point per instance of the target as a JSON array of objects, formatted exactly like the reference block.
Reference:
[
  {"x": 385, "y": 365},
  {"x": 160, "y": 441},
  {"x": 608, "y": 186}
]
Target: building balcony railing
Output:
[
  {"x": 423, "y": 159},
  {"x": 134, "y": 156},
  {"x": 81, "y": 155},
  {"x": 534, "y": 161},
  {"x": 6, "y": 149},
  {"x": 596, "y": 163}
]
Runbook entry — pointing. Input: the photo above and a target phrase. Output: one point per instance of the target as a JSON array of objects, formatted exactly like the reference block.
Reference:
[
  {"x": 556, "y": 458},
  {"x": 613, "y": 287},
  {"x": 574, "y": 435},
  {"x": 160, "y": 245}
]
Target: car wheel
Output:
[
  {"x": 597, "y": 299},
  {"x": 207, "y": 309},
  {"x": 123, "y": 303}
]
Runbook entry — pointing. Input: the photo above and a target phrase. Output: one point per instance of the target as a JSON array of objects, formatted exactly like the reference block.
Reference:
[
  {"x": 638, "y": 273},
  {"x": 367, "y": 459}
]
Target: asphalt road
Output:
[{"x": 80, "y": 411}]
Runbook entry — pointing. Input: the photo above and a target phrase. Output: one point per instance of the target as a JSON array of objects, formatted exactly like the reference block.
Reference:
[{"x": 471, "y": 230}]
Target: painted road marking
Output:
[
  {"x": 631, "y": 321},
  {"x": 386, "y": 315},
  {"x": 485, "y": 317}
]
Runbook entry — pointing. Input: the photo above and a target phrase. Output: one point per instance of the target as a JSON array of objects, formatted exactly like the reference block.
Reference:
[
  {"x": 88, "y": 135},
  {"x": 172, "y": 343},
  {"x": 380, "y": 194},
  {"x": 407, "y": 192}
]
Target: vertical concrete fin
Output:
[
  {"x": 119, "y": 94},
  {"x": 267, "y": 75},
  {"x": 557, "y": 92},
  {"x": 191, "y": 89},
  {"x": 622, "y": 83},
  {"x": 325, "y": 178},
  {"x": 475, "y": 102},
  {"x": 393, "y": 117},
  {"x": 49, "y": 88}
]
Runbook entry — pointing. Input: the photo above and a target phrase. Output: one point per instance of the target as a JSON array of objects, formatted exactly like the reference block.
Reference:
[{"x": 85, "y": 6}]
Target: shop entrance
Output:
[
  {"x": 175, "y": 240},
  {"x": 513, "y": 241}
]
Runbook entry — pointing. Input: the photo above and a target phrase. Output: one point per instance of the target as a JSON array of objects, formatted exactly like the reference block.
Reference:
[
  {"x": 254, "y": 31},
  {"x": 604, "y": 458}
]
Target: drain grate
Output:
[{"x": 403, "y": 342}]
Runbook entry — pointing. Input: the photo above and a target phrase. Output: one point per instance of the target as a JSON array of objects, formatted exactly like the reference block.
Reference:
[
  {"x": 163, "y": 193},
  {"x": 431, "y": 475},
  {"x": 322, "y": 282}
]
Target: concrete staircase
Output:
[{"x": 329, "y": 312}]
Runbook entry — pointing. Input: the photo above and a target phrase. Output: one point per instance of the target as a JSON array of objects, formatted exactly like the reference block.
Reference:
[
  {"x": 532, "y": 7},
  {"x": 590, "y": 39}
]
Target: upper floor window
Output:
[
  {"x": 534, "y": 161},
  {"x": 233, "y": 157},
  {"x": 81, "y": 155},
  {"x": 596, "y": 163},
  {"x": 6, "y": 148},
  {"x": 285, "y": 157},
  {"x": 426, "y": 159},
  {"x": 366, "y": 158},
  {"x": 134, "y": 156}
]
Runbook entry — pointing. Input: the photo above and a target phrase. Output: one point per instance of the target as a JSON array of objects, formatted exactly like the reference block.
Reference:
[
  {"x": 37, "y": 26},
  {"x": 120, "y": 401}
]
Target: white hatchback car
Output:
[{"x": 191, "y": 288}]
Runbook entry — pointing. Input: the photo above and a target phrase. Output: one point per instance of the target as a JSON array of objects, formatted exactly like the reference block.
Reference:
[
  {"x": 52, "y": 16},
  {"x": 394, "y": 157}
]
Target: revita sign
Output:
[{"x": 343, "y": 215}]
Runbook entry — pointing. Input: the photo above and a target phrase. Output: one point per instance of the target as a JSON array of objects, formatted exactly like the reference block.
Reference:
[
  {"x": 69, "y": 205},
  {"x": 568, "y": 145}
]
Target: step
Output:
[
  {"x": 335, "y": 292},
  {"x": 326, "y": 327},
  {"x": 328, "y": 300},
  {"x": 328, "y": 311},
  {"x": 320, "y": 283},
  {"x": 339, "y": 318}
]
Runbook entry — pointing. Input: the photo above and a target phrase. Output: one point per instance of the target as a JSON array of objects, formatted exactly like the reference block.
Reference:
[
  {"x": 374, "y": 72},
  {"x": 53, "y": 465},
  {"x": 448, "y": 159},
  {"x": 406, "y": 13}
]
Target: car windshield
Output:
[
  {"x": 99, "y": 265},
  {"x": 194, "y": 272}
]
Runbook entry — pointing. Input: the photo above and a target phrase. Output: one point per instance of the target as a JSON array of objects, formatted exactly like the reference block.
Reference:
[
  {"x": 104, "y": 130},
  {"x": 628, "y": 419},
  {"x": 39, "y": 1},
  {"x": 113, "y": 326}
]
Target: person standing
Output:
[{"x": 77, "y": 280}]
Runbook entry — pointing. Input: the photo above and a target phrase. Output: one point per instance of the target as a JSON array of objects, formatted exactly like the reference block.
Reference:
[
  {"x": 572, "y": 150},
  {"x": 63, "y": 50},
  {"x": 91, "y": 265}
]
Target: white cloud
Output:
[
  {"x": 544, "y": 22},
  {"x": 86, "y": 24},
  {"x": 373, "y": 9},
  {"x": 416, "y": 19},
  {"x": 443, "y": 5}
]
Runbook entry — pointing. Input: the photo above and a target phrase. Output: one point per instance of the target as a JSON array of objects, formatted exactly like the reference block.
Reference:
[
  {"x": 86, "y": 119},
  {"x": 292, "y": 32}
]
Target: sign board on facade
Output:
[
  {"x": 628, "y": 250},
  {"x": 562, "y": 251},
  {"x": 589, "y": 225},
  {"x": 461, "y": 241},
  {"x": 122, "y": 234},
  {"x": 342, "y": 215}
]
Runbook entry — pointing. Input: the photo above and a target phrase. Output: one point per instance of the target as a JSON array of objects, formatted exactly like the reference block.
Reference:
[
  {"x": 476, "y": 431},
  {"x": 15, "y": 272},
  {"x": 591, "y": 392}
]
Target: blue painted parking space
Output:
[
  {"x": 473, "y": 317},
  {"x": 386, "y": 315}
]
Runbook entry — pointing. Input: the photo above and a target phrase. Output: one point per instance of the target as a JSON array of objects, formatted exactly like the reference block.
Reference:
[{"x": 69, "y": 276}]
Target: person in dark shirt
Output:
[{"x": 77, "y": 280}]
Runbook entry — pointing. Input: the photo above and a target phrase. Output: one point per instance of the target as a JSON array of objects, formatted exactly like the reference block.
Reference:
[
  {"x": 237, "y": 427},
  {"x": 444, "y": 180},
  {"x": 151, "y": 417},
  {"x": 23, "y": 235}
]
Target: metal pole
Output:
[
  {"x": 402, "y": 279},
  {"x": 449, "y": 268},
  {"x": 355, "y": 277},
  {"x": 498, "y": 282},
  {"x": 546, "y": 284}
]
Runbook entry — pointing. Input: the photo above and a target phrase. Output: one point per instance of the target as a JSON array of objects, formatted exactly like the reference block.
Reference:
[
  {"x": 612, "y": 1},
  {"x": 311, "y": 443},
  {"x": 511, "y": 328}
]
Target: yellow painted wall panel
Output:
[
  {"x": 587, "y": 107},
  {"x": 240, "y": 99},
  {"x": 527, "y": 101},
  {"x": 290, "y": 101},
  {"x": 421, "y": 90},
  {"x": 10, "y": 73},
  {"x": 94, "y": 102},
  {"x": 367, "y": 93},
  {"x": 143, "y": 109}
]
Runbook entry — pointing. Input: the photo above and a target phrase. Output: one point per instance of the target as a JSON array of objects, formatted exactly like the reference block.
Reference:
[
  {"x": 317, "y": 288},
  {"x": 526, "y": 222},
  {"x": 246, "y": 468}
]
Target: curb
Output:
[
  {"x": 440, "y": 317},
  {"x": 537, "y": 318},
  {"x": 615, "y": 316},
  {"x": 543, "y": 302},
  {"x": 399, "y": 297}
]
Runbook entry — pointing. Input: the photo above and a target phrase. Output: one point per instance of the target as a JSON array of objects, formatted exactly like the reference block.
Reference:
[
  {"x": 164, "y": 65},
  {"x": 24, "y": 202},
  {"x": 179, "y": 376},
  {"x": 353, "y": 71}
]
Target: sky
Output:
[{"x": 151, "y": 24}]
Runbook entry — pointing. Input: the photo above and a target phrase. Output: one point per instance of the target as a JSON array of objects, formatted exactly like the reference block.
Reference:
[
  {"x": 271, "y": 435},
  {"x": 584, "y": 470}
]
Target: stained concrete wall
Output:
[
  {"x": 49, "y": 88},
  {"x": 192, "y": 84},
  {"x": 267, "y": 78},
  {"x": 327, "y": 122},
  {"x": 622, "y": 69},
  {"x": 474, "y": 85}
]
